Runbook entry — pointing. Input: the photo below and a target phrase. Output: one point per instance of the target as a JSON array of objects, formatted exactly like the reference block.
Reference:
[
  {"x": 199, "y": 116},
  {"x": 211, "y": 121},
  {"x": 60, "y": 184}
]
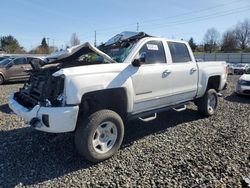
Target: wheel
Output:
[
  {"x": 1, "y": 79},
  {"x": 208, "y": 103},
  {"x": 99, "y": 136}
]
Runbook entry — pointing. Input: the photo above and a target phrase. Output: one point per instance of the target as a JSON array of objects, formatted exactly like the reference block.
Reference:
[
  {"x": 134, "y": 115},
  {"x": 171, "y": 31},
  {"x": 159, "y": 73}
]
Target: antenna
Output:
[{"x": 95, "y": 39}]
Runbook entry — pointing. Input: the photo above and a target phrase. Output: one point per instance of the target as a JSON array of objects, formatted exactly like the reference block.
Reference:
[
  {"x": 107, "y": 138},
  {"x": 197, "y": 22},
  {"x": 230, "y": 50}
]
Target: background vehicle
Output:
[
  {"x": 3, "y": 57},
  {"x": 243, "y": 85},
  {"x": 15, "y": 68},
  {"x": 94, "y": 91},
  {"x": 240, "y": 68}
]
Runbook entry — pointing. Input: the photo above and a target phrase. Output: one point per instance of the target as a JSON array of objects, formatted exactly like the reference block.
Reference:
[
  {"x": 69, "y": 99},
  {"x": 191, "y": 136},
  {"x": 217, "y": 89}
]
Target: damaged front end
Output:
[
  {"x": 42, "y": 89},
  {"x": 46, "y": 90},
  {"x": 42, "y": 100}
]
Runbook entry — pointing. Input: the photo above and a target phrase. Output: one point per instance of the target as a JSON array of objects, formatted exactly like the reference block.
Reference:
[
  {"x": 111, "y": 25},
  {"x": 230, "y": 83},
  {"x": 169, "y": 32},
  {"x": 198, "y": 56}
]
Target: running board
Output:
[
  {"x": 148, "y": 118},
  {"x": 180, "y": 109}
]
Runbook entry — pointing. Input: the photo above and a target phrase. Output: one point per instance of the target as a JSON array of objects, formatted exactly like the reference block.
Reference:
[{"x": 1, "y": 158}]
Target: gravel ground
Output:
[{"x": 179, "y": 149}]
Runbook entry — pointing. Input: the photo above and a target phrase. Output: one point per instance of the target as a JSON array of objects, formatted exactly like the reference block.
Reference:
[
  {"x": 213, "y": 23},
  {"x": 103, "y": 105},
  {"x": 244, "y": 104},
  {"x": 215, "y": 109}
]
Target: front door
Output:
[{"x": 152, "y": 82}]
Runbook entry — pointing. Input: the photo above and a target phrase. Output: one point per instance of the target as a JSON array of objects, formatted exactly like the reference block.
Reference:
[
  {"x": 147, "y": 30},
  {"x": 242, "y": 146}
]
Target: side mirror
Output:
[{"x": 138, "y": 62}]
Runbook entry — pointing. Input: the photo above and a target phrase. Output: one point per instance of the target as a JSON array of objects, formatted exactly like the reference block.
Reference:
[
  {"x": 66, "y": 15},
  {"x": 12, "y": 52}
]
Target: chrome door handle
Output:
[
  {"x": 193, "y": 70},
  {"x": 166, "y": 73}
]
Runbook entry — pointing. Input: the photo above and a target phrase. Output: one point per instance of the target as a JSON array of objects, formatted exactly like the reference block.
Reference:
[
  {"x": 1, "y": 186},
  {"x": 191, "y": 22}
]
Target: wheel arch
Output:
[
  {"x": 214, "y": 82},
  {"x": 115, "y": 99},
  {"x": 2, "y": 74}
]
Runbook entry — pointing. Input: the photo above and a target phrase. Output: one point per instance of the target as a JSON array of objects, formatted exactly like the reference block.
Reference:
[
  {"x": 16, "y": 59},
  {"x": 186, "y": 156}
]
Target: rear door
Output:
[{"x": 184, "y": 72}]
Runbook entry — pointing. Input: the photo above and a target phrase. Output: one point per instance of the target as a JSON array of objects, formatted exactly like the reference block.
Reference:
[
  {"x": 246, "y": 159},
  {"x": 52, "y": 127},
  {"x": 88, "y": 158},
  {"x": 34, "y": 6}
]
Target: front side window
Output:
[
  {"x": 179, "y": 52},
  {"x": 20, "y": 61},
  {"x": 154, "y": 52}
]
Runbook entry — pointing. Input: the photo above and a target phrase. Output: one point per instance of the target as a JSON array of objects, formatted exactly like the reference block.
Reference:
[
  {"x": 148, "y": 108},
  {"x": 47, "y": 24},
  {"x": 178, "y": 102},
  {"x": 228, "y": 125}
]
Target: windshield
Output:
[
  {"x": 239, "y": 65},
  {"x": 5, "y": 61},
  {"x": 119, "y": 53}
]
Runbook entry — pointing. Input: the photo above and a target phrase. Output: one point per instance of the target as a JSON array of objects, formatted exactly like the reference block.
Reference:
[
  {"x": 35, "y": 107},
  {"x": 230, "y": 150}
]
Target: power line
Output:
[
  {"x": 193, "y": 12},
  {"x": 172, "y": 17},
  {"x": 206, "y": 17}
]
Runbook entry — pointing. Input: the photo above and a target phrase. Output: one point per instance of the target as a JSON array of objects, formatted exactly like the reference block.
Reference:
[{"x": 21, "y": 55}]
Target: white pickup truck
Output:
[{"x": 93, "y": 91}]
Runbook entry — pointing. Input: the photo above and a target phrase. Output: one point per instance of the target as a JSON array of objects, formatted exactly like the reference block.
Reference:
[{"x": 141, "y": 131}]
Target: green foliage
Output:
[
  {"x": 10, "y": 44},
  {"x": 43, "y": 48},
  {"x": 44, "y": 43}
]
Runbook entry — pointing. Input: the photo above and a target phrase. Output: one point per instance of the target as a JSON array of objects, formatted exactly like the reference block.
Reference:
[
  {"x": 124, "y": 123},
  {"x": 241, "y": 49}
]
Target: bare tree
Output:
[
  {"x": 211, "y": 39},
  {"x": 74, "y": 40},
  {"x": 229, "y": 41},
  {"x": 243, "y": 33}
]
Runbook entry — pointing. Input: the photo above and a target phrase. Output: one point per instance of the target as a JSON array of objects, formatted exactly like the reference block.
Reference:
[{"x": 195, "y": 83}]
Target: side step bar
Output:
[
  {"x": 180, "y": 109},
  {"x": 148, "y": 118},
  {"x": 152, "y": 114}
]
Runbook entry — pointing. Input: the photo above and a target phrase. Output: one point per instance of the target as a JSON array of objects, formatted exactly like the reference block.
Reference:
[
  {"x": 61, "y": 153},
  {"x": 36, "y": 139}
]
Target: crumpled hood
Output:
[{"x": 72, "y": 53}]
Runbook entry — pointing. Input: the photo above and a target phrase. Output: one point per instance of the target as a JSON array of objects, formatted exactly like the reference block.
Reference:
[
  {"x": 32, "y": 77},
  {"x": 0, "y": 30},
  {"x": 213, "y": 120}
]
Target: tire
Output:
[
  {"x": 99, "y": 136},
  {"x": 1, "y": 79},
  {"x": 208, "y": 103}
]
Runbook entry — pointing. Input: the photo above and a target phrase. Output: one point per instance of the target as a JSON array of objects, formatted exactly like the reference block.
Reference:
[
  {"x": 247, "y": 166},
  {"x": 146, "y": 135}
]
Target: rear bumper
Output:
[{"x": 47, "y": 119}]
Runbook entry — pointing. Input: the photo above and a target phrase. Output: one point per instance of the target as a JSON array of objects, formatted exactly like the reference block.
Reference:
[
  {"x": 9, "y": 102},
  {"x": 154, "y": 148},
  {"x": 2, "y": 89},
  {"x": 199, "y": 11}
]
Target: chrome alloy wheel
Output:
[
  {"x": 212, "y": 102},
  {"x": 104, "y": 137}
]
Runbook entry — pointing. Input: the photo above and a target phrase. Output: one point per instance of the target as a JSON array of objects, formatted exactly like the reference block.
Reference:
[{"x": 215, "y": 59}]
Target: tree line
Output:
[
  {"x": 235, "y": 39},
  {"x": 10, "y": 45}
]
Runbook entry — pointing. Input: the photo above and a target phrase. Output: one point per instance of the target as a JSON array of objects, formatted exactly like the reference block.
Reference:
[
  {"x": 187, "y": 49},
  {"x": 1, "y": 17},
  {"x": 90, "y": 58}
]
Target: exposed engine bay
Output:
[{"x": 42, "y": 89}]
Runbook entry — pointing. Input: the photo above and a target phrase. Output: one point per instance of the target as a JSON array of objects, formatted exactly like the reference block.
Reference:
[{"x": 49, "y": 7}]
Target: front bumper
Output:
[
  {"x": 242, "y": 89},
  {"x": 58, "y": 119}
]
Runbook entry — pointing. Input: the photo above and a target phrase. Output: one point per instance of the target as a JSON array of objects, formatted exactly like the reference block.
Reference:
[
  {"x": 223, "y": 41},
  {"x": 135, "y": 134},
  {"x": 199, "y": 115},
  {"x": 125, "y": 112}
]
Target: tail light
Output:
[{"x": 226, "y": 71}]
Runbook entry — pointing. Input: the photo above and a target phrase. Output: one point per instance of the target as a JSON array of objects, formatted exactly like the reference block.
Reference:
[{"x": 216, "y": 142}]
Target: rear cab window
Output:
[{"x": 179, "y": 52}]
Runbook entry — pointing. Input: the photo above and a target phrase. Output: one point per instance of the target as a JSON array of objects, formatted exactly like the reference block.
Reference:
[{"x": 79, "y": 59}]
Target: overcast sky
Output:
[{"x": 31, "y": 20}]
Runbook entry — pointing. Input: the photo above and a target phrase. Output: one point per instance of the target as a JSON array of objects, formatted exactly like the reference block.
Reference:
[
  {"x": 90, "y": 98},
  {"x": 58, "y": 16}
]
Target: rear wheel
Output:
[
  {"x": 100, "y": 135},
  {"x": 1, "y": 79},
  {"x": 208, "y": 103}
]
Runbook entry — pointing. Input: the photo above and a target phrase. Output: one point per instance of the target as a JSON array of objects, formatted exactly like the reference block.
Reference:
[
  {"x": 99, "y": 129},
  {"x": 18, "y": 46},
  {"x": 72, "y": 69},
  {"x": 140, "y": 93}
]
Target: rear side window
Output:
[
  {"x": 179, "y": 52},
  {"x": 154, "y": 52}
]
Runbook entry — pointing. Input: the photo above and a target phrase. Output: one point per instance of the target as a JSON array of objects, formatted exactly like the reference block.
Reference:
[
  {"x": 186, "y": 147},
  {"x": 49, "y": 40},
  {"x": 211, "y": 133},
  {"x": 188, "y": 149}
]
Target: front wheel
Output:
[
  {"x": 100, "y": 135},
  {"x": 208, "y": 103}
]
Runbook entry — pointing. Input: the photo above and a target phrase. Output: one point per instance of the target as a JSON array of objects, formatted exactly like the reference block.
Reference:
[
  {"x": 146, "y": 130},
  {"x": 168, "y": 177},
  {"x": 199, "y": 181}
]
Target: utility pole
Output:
[
  {"x": 48, "y": 41},
  {"x": 53, "y": 42},
  {"x": 137, "y": 26},
  {"x": 95, "y": 39},
  {"x": 53, "y": 45}
]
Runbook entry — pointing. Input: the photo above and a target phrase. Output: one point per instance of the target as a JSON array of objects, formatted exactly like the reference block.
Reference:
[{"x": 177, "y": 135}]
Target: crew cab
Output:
[{"x": 93, "y": 91}]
